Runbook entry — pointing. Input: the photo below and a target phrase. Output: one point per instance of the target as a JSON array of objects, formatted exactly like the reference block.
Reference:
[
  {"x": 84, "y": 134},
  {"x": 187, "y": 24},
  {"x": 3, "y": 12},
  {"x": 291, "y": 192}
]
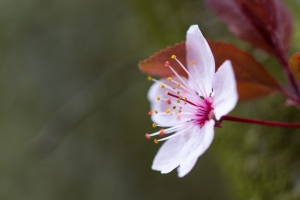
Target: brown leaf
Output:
[
  {"x": 155, "y": 65},
  {"x": 266, "y": 24},
  {"x": 294, "y": 65},
  {"x": 253, "y": 80}
]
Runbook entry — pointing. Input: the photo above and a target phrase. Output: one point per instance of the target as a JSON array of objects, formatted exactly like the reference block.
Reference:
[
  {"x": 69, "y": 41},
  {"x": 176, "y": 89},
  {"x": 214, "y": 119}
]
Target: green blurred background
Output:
[{"x": 74, "y": 108}]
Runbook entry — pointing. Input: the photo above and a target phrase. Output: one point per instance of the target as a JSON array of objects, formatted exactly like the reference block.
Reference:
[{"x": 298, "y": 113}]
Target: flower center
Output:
[
  {"x": 182, "y": 103},
  {"x": 205, "y": 111}
]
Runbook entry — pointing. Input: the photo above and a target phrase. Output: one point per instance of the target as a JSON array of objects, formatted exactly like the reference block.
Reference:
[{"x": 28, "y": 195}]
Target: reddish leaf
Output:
[
  {"x": 155, "y": 65},
  {"x": 294, "y": 65},
  {"x": 266, "y": 24},
  {"x": 252, "y": 79}
]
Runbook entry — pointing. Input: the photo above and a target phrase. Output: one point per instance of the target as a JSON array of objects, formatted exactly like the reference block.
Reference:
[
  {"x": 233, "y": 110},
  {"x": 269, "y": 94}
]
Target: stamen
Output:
[
  {"x": 155, "y": 111},
  {"x": 147, "y": 136},
  {"x": 162, "y": 85},
  {"x": 153, "y": 125},
  {"x": 187, "y": 101},
  {"x": 155, "y": 141},
  {"x": 168, "y": 111},
  {"x": 169, "y": 79},
  {"x": 149, "y": 78},
  {"x": 167, "y": 64},
  {"x": 162, "y": 132},
  {"x": 191, "y": 77},
  {"x": 158, "y": 98}
]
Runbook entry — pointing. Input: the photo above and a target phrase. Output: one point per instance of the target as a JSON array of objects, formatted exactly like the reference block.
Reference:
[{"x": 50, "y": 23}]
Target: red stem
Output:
[{"x": 261, "y": 122}]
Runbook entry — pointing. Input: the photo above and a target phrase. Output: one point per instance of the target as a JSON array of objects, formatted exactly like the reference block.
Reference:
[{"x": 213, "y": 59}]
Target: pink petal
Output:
[
  {"x": 162, "y": 106},
  {"x": 203, "y": 70},
  {"x": 169, "y": 155},
  {"x": 198, "y": 143},
  {"x": 225, "y": 92}
]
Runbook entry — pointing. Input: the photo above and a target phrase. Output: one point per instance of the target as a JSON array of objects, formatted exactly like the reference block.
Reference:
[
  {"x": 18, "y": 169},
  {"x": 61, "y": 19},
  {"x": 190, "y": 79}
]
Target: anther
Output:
[
  {"x": 153, "y": 125},
  {"x": 178, "y": 84},
  {"x": 162, "y": 85},
  {"x": 158, "y": 98},
  {"x": 168, "y": 111},
  {"x": 147, "y": 136},
  {"x": 169, "y": 101},
  {"x": 174, "y": 107},
  {"x": 162, "y": 132},
  {"x": 155, "y": 141},
  {"x": 178, "y": 92},
  {"x": 167, "y": 64},
  {"x": 155, "y": 111},
  {"x": 173, "y": 57},
  {"x": 178, "y": 101},
  {"x": 193, "y": 62},
  {"x": 149, "y": 78},
  {"x": 169, "y": 79},
  {"x": 167, "y": 92},
  {"x": 150, "y": 112}
]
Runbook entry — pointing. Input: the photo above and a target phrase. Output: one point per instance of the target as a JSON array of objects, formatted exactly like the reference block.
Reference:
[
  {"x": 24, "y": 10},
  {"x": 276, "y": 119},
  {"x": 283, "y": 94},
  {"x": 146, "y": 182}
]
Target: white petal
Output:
[
  {"x": 186, "y": 167},
  {"x": 169, "y": 155},
  {"x": 225, "y": 92},
  {"x": 199, "y": 51},
  {"x": 162, "y": 106},
  {"x": 199, "y": 141}
]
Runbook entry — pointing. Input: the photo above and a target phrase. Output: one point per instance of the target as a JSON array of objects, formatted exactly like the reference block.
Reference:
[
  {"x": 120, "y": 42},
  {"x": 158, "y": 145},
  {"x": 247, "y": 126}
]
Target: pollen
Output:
[
  {"x": 167, "y": 64},
  {"x": 173, "y": 57},
  {"x": 147, "y": 136},
  {"x": 168, "y": 111},
  {"x": 158, "y": 98},
  {"x": 162, "y": 85},
  {"x": 153, "y": 125},
  {"x": 155, "y": 141},
  {"x": 149, "y": 78},
  {"x": 169, "y": 79},
  {"x": 162, "y": 132}
]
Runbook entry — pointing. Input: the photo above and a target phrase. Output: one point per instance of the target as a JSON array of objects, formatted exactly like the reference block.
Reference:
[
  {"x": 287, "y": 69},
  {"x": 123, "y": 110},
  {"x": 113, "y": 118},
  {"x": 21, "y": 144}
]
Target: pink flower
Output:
[{"x": 188, "y": 108}]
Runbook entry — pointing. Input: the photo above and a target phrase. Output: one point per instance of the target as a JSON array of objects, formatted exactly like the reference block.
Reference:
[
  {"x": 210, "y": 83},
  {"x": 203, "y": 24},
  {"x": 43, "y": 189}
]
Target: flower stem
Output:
[{"x": 261, "y": 122}]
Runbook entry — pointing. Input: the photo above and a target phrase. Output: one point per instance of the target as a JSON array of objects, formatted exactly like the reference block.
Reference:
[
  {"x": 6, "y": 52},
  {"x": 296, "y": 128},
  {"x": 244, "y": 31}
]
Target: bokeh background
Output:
[{"x": 74, "y": 109}]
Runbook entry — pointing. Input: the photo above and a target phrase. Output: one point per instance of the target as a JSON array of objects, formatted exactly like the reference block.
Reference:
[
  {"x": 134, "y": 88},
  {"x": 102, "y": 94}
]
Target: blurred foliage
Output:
[{"x": 73, "y": 108}]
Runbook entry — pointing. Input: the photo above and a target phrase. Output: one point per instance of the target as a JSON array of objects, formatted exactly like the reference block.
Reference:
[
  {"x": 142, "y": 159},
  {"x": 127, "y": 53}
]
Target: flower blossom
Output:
[{"x": 187, "y": 109}]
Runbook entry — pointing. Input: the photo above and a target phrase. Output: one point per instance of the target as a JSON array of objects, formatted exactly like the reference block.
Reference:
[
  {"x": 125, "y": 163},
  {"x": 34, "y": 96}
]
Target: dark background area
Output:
[{"x": 74, "y": 108}]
